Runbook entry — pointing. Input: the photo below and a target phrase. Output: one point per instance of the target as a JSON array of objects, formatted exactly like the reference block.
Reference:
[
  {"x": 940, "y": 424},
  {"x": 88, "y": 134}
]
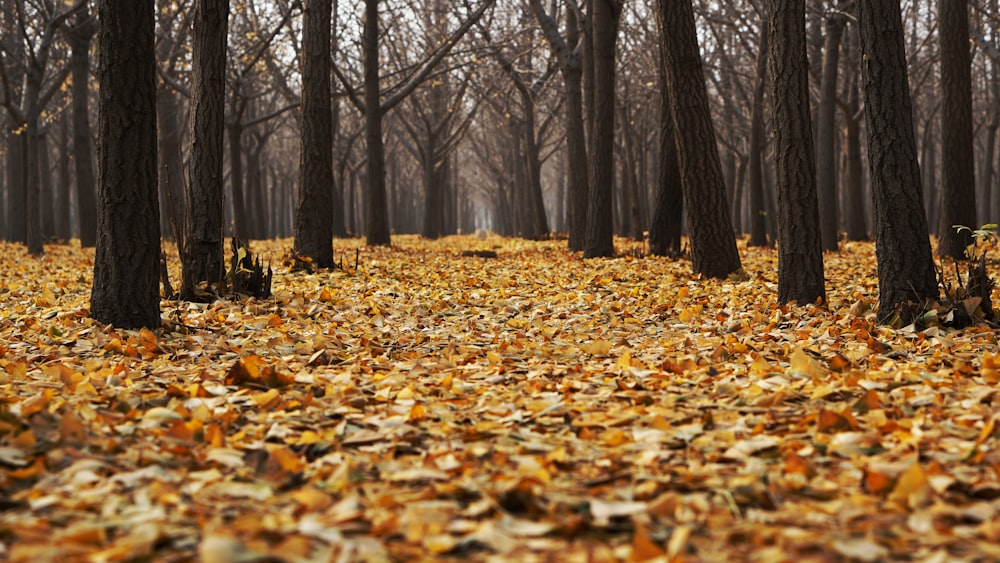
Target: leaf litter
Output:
[{"x": 533, "y": 405}]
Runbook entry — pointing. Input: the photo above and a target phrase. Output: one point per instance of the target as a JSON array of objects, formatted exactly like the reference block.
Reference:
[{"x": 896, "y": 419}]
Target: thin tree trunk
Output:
[
  {"x": 826, "y": 156},
  {"x": 758, "y": 207},
  {"x": 80, "y": 36}
]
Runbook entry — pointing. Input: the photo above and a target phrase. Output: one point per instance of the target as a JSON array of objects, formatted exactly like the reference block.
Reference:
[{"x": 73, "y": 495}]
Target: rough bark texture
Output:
[
  {"x": 600, "y": 220},
  {"x": 713, "y": 244},
  {"x": 376, "y": 207},
  {"x": 902, "y": 246},
  {"x": 958, "y": 177},
  {"x": 758, "y": 207},
  {"x": 314, "y": 210},
  {"x": 826, "y": 154},
  {"x": 204, "y": 220},
  {"x": 126, "y": 265},
  {"x": 80, "y": 36},
  {"x": 800, "y": 253}
]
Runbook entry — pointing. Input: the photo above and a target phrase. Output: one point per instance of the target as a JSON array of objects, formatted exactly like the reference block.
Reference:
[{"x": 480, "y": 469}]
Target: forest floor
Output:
[{"x": 533, "y": 407}]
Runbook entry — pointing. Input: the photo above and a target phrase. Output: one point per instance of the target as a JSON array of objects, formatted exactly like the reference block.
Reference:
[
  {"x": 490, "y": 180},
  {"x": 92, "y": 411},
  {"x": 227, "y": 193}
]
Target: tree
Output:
[
  {"x": 906, "y": 277},
  {"x": 668, "y": 214},
  {"x": 713, "y": 243},
  {"x": 125, "y": 291},
  {"x": 758, "y": 209},
  {"x": 80, "y": 36},
  {"x": 202, "y": 255},
  {"x": 958, "y": 183},
  {"x": 800, "y": 254},
  {"x": 374, "y": 108},
  {"x": 600, "y": 220},
  {"x": 314, "y": 210},
  {"x": 826, "y": 155},
  {"x": 568, "y": 53}
]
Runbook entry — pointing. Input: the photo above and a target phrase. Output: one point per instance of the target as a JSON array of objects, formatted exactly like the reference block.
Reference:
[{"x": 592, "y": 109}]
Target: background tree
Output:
[
  {"x": 568, "y": 53},
  {"x": 958, "y": 184},
  {"x": 800, "y": 253},
  {"x": 126, "y": 265},
  {"x": 905, "y": 264},
  {"x": 826, "y": 155},
  {"x": 80, "y": 35}
]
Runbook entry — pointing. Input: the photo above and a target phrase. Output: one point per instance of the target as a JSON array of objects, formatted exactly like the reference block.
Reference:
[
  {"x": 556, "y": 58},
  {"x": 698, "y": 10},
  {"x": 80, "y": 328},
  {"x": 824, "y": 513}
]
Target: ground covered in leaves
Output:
[{"x": 423, "y": 404}]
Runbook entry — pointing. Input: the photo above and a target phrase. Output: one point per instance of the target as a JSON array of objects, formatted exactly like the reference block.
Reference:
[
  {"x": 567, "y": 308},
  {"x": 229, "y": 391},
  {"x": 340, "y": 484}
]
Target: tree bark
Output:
[
  {"x": 800, "y": 252},
  {"x": 80, "y": 36},
  {"x": 314, "y": 210},
  {"x": 713, "y": 244},
  {"x": 958, "y": 173},
  {"x": 63, "y": 210},
  {"x": 668, "y": 215},
  {"x": 125, "y": 290},
  {"x": 376, "y": 211},
  {"x": 826, "y": 155},
  {"x": 902, "y": 247},
  {"x": 758, "y": 207},
  {"x": 202, "y": 259},
  {"x": 600, "y": 218}
]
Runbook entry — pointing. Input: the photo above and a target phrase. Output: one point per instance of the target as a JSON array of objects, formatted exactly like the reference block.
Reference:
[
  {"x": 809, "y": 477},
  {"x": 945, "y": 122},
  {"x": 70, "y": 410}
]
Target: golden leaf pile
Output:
[{"x": 534, "y": 405}]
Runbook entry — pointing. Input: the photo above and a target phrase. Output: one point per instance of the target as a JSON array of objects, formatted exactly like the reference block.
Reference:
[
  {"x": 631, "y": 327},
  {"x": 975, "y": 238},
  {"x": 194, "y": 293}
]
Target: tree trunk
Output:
[
  {"x": 826, "y": 155},
  {"x": 314, "y": 210},
  {"x": 800, "y": 251},
  {"x": 958, "y": 174},
  {"x": 902, "y": 247},
  {"x": 758, "y": 207},
  {"x": 857, "y": 225},
  {"x": 202, "y": 259},
  {"x": 47, "y": 199},
  {"x": 376, "y": 212},
  {"x": 63, "y": 210},
  {"x": 80, "y": 36},
  {"x": 665, "y": 228},
  {"x": 713, "y": 244},
  {"x": 125, "y": 290},
  {"x": 170, "y": 146},
  {"x": 600, "y": 218}
]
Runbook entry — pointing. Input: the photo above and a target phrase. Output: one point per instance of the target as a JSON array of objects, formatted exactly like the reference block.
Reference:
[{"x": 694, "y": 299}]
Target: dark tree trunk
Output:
[
  {"x": 47, "y": 198},
  {"x": 63, "y": 209},
  {"x": 203, "y": 239},
  {"x": 80, "y": 36},
  {"x": 600, "y": 218},
  {"x": 713, "y": 244},
  {"x": 314, "y": 211},
  {"x": 905, "y": 264},
  {"x": 665, "y": 229},
  {"x": 826, "y": 132},
  {"x": 854, "y": 189},
  {"x": 958, "y": 173},
  {"x": 800, "y": 252},
  {"x": 170, "y": 143},
  {"x": 758, "y": 207},
  {"x": 125, "y": 290},
  {"x": 376, "y": 211}
]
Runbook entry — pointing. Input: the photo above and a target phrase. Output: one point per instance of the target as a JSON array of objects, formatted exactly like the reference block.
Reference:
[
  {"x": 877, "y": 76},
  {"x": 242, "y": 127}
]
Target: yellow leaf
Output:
[{"x": 598, "y": 347}]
